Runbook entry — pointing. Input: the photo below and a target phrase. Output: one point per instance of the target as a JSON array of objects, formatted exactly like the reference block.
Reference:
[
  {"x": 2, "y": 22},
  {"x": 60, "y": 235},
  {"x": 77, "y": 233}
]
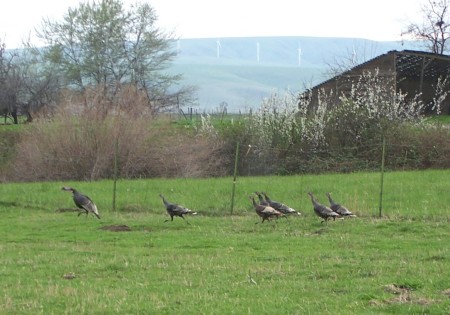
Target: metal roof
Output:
[{"x": 408, "y": 64}]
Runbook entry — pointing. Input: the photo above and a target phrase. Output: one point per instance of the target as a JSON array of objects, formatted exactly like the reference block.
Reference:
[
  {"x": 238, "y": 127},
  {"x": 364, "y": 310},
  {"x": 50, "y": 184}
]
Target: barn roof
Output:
[{"x": 408, "y": 63}]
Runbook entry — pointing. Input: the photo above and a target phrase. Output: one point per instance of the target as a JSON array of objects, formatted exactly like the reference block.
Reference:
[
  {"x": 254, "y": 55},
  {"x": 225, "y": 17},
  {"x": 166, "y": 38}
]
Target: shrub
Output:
[
  {"x": 286, "y": 137},
  {"x": 8, "y": 139},
  {"x": 81, "y": 143}
]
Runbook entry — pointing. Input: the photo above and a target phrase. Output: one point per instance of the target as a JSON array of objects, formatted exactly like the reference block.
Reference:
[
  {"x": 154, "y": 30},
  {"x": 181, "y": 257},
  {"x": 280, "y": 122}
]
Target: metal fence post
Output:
[
  {"x": 116, "y": 165},
  {"x": 380, "y": 209},
  {"x": 234, "y": 177}
]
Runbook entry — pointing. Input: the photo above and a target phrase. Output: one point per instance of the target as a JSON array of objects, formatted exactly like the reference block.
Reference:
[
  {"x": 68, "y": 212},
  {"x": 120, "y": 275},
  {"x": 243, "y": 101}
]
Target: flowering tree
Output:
[
  {"x": 372, "y": 107},
  {"x": 278, "y": 121}
]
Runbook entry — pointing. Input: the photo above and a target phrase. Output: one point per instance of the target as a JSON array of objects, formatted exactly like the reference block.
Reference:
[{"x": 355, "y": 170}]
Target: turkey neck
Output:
[
  {"x": 314, "y": 201},
  {"x": 164, "y": 200},
  {"x": 254, "y": 202},
  {"x": 330, "y": 199}
]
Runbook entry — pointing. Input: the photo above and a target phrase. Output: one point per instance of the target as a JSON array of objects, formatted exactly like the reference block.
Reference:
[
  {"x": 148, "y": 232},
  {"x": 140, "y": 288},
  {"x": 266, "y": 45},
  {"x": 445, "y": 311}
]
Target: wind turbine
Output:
[
  {"x": 257, "y": 52},
  {"x": 299, "y": 52},
  {"x": 354, "y": 56},
  {"x": 218, "y": 48}
]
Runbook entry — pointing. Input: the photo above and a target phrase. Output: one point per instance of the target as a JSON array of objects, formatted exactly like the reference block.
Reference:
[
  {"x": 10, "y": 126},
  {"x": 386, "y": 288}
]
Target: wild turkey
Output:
[
  {"x": 339, "y": 209},
  {"x": 265, "y": 212},
  {"x": 280, "y": 206},
  {"x": 175, "y": 210},
  {"x": 322, "y": 211},
  {"x": 262, "y": 201},
  {"x": 83, "y": 202}
]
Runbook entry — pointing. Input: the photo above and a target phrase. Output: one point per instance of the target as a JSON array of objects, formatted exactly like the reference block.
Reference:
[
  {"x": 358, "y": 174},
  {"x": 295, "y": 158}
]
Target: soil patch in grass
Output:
[{"x": 116, "y": 228}]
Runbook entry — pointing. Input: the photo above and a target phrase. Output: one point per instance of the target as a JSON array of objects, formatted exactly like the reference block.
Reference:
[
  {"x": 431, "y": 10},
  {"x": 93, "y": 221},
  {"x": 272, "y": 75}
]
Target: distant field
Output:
[
  {"x": 59, "y": 263},
  {"x": 244, "y": 86},
  {"x": 240, "y": 80}
]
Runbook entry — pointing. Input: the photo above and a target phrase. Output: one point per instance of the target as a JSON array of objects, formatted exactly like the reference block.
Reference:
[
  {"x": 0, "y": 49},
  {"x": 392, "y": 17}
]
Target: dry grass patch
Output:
[{"x": 404, "y": 295}]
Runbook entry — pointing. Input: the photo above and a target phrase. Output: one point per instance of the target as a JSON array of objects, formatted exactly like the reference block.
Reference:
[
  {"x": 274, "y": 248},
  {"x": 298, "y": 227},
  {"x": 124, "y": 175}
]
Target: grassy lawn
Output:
[{"x": 58, "y": 263}]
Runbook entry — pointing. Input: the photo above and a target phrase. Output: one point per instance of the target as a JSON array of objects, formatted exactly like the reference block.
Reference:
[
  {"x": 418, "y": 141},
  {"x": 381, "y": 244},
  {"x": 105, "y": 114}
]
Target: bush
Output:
[
  {"x": 82, "y": 144},
  {"x": 285, "y": 137},
  {"x": 9, "y": 136}
]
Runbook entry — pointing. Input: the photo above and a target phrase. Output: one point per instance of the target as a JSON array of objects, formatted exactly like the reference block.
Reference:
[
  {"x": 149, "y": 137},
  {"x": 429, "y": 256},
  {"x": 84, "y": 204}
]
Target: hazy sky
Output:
[{"x": 374, "y": 19}]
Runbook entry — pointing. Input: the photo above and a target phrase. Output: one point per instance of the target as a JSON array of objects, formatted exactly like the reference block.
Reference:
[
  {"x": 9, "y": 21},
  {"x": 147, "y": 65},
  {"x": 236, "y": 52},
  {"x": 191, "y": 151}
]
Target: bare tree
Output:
[
  {"x": 10, "y": 83},
  {"x": 352, "y": 58},
  {"x": 25, "y": 86},
  {"x": 39, "y": 88},
  {"x": 434, "y": 29}
]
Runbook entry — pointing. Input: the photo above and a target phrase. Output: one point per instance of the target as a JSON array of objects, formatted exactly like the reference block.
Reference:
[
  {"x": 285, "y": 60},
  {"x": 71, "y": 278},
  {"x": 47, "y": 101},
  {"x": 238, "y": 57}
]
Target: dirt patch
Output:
[
  {"x": 317, "y": 232},
  {"x": 397, "y": 289},
  {"x": 404, "y": 295},
  {"x": 116, "y": 228},
  {"x": 402, "y": 298},
  {"x": 446, "y": 292},
  {"x": 69, "y": 276}
]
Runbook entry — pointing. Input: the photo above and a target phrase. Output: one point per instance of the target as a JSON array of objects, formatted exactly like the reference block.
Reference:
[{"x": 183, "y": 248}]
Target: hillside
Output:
[{"x": 242, "y": 71}]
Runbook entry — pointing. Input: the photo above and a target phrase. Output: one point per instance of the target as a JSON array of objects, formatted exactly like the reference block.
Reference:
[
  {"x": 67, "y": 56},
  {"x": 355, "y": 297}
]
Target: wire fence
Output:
[
  {"x": 269, "y": 161},
  {"x": 374, "y": 185},
  {"x": 88, "y": 150},
  {"x": 211, "y": 158}
]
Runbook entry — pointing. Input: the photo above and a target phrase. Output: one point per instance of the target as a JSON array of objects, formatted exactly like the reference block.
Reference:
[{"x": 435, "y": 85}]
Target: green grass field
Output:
[{"x": 58, "y": 263}]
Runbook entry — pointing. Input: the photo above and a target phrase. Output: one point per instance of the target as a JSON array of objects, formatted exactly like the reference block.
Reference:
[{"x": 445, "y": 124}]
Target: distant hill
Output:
[{"x": 242, "y": 71}]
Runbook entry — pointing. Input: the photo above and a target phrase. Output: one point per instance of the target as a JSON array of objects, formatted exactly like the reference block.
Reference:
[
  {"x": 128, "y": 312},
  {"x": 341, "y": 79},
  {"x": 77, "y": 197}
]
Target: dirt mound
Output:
[{"x": 116, "y": 228}]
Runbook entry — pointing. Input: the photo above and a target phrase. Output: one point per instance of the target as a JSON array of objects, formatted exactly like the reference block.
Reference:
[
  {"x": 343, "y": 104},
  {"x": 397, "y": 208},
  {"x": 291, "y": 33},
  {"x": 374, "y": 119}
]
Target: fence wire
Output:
[{"x": 368, "y": 157}]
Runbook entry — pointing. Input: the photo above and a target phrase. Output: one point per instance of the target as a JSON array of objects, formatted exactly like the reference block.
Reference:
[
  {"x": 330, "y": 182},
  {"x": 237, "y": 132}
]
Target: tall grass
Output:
[{"x": 58, "y": 263}]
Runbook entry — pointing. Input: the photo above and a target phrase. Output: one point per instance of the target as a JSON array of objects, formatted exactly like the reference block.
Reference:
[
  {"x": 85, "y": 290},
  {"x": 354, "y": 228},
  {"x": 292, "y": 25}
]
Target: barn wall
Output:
[
  {"x": 341, "y": 85},
  {"x": 386, "y": 65}
]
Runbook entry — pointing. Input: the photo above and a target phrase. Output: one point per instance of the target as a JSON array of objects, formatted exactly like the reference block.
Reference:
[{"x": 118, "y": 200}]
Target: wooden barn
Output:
[{"x": 411, "y": 72}]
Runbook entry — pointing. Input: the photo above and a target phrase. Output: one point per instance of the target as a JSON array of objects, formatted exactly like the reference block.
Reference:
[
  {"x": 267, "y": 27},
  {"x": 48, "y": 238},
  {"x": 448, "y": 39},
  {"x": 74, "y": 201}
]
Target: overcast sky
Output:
[{"x": 370, "y": 19}]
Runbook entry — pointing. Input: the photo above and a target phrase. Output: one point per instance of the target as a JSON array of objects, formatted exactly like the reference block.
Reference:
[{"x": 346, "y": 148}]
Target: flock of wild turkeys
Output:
[
  {"x": 268, "y": 209},
  {"x": 265, "y": 207}
]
